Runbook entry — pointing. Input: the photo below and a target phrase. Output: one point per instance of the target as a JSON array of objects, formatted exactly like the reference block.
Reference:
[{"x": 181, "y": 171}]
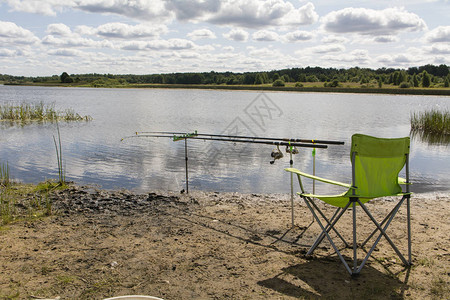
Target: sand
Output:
[{"x": 208, "y": 245}]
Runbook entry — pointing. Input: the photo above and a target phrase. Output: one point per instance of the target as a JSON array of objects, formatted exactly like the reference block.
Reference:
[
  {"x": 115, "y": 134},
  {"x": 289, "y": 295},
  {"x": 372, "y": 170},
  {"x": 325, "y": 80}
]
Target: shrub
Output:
[
  {"x": 298, "y": 84},
  {"x": 333, "y": 83},
  {"x": 278, "y": 82},
  {"x": 404, "y": 85}
]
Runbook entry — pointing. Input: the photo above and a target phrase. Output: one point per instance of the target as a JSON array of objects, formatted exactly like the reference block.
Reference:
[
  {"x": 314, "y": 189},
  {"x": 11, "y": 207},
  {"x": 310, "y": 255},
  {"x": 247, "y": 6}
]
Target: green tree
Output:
[
  {"x": 158, "y": 79},
  {"x": 65, "y": 78},
  {"x": 426, "y": 80},
  {"x": 415, "y": 80},
  {"x": 286, "y": 78},
  {"x": 446, "y": 82},
  {"x": 275, "y": 77},
  {"x": 259, "y": 79},
  {"x": 302, "y": 77}
]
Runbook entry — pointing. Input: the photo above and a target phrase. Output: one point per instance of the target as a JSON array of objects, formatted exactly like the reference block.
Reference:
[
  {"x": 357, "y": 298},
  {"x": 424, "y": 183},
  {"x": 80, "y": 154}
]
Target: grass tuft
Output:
[
  {"x": 432, "y": 121},
  {"x": 432, "y": 126},
  {"x": 24, "y": 113},
  {"x": 5, "y": 180}
]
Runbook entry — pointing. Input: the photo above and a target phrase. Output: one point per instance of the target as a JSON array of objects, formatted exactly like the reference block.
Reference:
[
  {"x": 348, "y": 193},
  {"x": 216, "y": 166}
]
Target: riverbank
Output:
[
  {"x": 101, "y": 243},
  {"x": 308, "y": 88}
]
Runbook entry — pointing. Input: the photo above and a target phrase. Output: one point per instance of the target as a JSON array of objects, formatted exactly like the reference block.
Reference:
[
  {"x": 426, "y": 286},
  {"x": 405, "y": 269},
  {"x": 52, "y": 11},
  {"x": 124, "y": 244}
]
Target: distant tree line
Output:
[{"x": 424, "y": 76}]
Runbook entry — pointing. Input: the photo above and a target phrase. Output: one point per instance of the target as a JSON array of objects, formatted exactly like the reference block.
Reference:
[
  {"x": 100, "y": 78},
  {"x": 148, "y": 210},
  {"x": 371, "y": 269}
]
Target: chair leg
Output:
[
  {"x": 328, "y": 236},
  {"x": 382, "y": 233},
  {"x": 381, "y": 224},
  {"x": 355, "y": 252},
  {"x": 408, "y": 212},
  {"x": 328, "y": 227}
]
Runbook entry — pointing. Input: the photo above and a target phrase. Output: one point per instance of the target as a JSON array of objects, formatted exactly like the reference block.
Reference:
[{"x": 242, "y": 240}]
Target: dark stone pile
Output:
[{"x": 81, "y": 199}]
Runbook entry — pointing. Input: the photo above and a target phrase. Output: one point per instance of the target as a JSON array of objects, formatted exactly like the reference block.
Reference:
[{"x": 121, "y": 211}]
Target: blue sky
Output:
[{"x": 48, "y": 37}]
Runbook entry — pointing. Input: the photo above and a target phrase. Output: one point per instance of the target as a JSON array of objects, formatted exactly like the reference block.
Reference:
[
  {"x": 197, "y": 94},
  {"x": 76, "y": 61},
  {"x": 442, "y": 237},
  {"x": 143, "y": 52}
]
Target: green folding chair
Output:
[{"x": 376, "y": 164}]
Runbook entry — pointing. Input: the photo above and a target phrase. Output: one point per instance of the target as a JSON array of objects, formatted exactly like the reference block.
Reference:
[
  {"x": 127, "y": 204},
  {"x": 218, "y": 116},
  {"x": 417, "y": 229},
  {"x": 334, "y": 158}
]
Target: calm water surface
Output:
[{"x": 94, "y": 153}]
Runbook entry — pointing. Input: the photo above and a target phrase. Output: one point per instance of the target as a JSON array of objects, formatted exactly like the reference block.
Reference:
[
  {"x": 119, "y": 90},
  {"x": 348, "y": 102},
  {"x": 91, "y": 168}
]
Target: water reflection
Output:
[
  {"x": 430, "y": 137},
  {"x": 93, "y": 151}
]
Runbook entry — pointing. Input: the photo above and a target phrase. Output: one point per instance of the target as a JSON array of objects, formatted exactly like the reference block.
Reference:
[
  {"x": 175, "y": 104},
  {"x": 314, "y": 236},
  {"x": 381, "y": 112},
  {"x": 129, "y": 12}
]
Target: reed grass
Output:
[
  {"x": 5, "y": 179},
  {"x": 432, "y": 126},
  {"x": 432, "y": 121},
  {"x": 59, "y": 158},
  {"x": 39, "y": 111}
]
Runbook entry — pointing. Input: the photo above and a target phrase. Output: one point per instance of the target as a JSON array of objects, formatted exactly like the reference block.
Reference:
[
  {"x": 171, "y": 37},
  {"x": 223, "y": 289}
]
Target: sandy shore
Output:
[{"x": 100, "y": 244}]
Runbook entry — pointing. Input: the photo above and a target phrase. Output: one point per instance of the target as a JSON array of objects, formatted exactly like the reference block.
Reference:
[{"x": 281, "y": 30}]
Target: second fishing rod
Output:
[
  {"x": 278, "y": 142},
  {"x": 312, "y": 141}
]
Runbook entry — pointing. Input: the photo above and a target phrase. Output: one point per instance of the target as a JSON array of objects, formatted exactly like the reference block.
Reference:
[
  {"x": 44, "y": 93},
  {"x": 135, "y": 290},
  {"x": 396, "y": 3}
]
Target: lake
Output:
[{"x": 93, "y": 152}]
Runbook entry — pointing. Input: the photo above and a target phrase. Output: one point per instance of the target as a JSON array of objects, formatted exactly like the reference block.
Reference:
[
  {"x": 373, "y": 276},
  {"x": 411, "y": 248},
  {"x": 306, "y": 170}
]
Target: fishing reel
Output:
[
  {"x": 293, "y": 151},
  {"x": 276, "y": 154}
]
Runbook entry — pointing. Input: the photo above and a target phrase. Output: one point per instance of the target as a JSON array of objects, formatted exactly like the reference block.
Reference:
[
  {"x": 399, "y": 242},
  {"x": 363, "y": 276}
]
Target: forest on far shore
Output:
[{"x": 427, "y": 76}]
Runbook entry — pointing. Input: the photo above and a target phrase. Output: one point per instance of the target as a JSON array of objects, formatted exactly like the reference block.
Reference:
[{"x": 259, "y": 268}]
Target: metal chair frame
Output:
[{"x": 380, "y": 227}]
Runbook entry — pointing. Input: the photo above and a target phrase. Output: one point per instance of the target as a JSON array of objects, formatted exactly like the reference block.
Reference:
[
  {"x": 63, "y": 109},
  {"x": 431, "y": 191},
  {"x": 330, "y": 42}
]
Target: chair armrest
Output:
[
  {"x": 403, "y": 181},
  {"x": 298, "y": 172}
]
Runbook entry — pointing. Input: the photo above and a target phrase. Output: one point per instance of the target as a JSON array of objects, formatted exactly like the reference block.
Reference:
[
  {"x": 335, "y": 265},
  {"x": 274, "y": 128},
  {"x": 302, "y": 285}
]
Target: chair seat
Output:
[{"x": 341, "y": 200}]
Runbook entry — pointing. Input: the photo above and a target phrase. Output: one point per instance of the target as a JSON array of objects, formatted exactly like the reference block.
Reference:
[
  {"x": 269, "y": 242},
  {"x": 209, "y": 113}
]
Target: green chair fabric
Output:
[{"x": 376, "y": 164}]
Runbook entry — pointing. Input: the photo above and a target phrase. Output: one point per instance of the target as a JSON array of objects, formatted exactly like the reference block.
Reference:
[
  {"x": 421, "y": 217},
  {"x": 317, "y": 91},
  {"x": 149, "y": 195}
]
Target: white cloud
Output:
[
  {"x": 193, "y": 9},
  {"x": 263, "y": 52},
  {"x": 126, "y": 31},
  {"x": 159, "y": 45},
  {"x": 69, "y": 42},
  {"x": 149, "y": 11},
  {"x": 201, "y": 34},
  {"x": 438, "y": 49},
  {"x": 65, "y": 52},
  {"x": 397, "y": 59},
  {"x": 43, "y": 7},
  {"x": 187, "y": 55},
  {"x": 355, "y": 57},
  {"x": 440, "y": 34},
  {"x": 298, "y": 35},
  {"x": 265, "y": 36},
  {"x": 238, "y": 35},
  {"x": 10, "y": 33},
  {"x": 323, "y": 49},
  {"x": 228, "y": 48},
  {"x": 257, "y": 13},
  {"x": 385, "y": 39},
  {"x": 7, "y": 53},
  {"x": 331, "y": 39},
  {"x": 59, "y": 29},
  {"x": 305, "y": 15},
  {"x": 372, "y": 22}
]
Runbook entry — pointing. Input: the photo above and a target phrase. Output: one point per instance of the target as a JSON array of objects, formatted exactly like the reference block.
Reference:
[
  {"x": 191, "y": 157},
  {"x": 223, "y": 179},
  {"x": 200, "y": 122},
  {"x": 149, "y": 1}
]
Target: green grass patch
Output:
[
  {"x": 5, "y": 179},
  {"x": 432, "y": 121},
  {"x": 24, "y": 113},
  {"x": 26, "y": 201},
  {"x": 432, "y": 126}
]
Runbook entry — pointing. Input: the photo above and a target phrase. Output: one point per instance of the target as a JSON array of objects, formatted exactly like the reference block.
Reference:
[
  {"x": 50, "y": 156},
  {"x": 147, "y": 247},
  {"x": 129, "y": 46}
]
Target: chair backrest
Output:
[{"x": 376, "y": 163}]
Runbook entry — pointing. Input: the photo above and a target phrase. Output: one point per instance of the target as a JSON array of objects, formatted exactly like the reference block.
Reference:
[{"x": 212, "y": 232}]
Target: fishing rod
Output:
[
  {"x": 233, "y": 140},
  {"x": 313, "y": 141}
]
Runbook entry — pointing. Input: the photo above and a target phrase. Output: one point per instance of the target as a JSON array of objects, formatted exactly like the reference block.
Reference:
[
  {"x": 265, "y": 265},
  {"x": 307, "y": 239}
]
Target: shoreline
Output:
[
  {"x": 390, "y": 91},
  {"x": 212, "y": 245}
]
